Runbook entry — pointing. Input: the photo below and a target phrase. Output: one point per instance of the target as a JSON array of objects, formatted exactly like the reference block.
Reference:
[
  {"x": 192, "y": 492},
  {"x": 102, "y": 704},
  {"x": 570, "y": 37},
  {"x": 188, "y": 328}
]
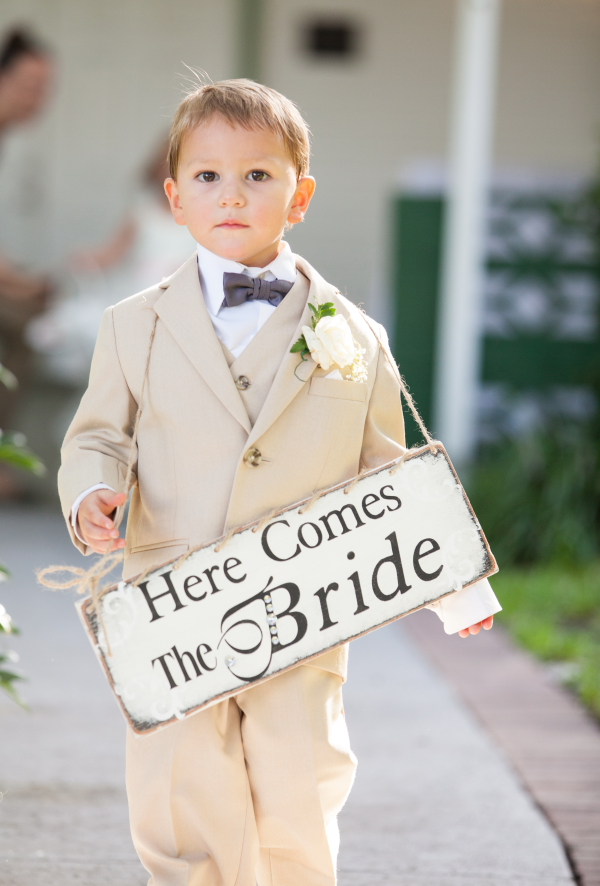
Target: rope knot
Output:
[{"x": 84, "y": 581}]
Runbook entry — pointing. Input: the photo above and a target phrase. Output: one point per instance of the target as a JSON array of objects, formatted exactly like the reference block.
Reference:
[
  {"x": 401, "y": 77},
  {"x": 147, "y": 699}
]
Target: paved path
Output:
[
  {"x": 435, "y": 803},
  {"x": 549, "y": 737},
  {"x": 63, "y": 818}
]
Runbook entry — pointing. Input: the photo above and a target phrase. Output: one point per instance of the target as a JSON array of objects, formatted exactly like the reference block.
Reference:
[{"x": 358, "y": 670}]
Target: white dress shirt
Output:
[{"x": 236, "y": 327}]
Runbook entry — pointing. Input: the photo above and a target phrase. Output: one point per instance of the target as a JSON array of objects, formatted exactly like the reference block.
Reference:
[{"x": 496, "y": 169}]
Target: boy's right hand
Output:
[{"x": 96, "y": 526}]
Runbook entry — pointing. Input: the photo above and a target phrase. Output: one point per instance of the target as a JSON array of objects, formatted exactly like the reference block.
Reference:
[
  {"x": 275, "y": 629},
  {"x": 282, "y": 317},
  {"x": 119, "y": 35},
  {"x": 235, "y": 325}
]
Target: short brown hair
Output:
[
  {"x": 17, "y": 44},
  {"x": 243, "y": 103}
]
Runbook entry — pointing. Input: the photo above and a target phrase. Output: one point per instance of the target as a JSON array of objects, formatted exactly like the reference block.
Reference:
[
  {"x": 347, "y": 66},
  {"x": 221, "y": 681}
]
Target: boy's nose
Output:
[
  {"x": 231, "y": 200},
  {"x": 231, "y": 196}
]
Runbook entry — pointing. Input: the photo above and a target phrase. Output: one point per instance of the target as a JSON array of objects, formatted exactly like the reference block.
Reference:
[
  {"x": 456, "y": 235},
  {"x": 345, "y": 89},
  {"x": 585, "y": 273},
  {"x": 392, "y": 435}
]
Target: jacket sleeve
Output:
[{"x": 98, "y": 443}]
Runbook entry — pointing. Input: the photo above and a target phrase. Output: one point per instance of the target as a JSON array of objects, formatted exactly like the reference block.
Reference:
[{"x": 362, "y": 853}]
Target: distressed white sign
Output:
[{"x": 275, "y": 594}]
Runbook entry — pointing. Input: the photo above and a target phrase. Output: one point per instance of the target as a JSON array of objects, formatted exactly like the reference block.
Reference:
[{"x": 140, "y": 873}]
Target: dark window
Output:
[{"x": 332, "y": 39}]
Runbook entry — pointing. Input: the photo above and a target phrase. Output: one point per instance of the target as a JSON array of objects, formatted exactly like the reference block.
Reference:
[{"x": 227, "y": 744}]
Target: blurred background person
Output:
[
  {"x": 146, "y": 247},
  {"x": 26, "y": 73},
  {"x": 25, "y": 80}
]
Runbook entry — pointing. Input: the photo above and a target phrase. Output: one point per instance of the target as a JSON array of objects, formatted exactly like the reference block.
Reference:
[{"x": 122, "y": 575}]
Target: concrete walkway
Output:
[{"x": 435, "y": 803}]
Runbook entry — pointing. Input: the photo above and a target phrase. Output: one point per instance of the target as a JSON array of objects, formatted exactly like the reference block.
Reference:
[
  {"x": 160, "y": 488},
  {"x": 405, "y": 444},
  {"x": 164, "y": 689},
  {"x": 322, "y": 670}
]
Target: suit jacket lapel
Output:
[
  {"x": 181, "y": 308},
  {"x": 293, "y": 375}
]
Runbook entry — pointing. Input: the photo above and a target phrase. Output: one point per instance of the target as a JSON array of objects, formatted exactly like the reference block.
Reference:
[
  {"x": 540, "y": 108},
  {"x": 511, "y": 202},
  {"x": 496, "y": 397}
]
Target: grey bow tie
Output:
[{"x": 239, "y": 288}]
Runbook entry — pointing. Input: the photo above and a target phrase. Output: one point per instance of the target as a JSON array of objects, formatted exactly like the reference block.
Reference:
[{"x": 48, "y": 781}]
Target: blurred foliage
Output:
[
  {"x": 8, "y": 379},
  {"x": 555, "y": 613},
  {"x": 13, "y": 452},
  {"x": 8, "y": 676},
  {"x": 538, "y": 497}
]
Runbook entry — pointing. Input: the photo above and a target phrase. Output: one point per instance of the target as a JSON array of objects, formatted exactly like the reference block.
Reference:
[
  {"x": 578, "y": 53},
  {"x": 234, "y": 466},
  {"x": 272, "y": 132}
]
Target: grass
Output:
[{"x": 555, "y": 613}]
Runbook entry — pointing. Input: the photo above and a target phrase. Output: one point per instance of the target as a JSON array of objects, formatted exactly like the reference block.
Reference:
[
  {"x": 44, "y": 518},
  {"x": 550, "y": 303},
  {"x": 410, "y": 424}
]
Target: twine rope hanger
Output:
[{"x": 89, "y": 580}]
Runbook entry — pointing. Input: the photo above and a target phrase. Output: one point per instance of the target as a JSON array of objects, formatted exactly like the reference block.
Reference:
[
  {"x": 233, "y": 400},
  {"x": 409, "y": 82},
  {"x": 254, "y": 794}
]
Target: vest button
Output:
[
  {"x": 242, "y": 383},
  {"x": 253, "y": 457}
]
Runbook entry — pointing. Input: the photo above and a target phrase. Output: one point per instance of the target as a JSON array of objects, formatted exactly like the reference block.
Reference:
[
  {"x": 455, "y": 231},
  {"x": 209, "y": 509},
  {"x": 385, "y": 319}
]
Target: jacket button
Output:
[
  {"x": 253, "y": 457},
  {"x": 242, "y": 383}
]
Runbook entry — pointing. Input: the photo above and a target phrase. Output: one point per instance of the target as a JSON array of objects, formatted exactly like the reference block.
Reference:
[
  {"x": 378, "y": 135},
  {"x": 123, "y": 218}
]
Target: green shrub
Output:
[
  {"x": 538, "y": 498},
  {"x": 8, "y": 676},
  {"x": 14, "y": 452}
]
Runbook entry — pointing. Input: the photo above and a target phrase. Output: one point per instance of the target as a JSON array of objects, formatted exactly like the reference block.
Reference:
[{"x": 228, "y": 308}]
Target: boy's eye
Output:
[
  {"x": 207, "y": 176},
  {"x": 257, "y": 175}
]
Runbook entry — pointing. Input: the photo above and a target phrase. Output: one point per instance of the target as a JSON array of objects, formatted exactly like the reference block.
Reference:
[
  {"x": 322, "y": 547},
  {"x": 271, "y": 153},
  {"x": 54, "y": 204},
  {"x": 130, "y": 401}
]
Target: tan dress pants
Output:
[{"x": 246, "y": 792}]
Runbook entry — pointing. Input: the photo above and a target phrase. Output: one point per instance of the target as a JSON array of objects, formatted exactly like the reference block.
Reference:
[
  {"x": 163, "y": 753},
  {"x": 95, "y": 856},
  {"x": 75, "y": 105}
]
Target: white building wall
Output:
[
  {"x": 548, "y": 111},
  {"x": 67, "y": 180},
  {"x": 368, "y": 117}
]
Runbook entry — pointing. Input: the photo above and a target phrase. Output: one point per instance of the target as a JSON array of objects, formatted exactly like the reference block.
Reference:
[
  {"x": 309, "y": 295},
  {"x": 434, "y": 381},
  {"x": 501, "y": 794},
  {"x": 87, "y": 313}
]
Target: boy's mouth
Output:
[{"x": 232, "y": 223}]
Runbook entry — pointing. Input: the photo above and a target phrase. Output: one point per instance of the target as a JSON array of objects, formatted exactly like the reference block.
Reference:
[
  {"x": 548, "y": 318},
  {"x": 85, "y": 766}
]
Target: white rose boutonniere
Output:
[{"x": 329, "y": 342}]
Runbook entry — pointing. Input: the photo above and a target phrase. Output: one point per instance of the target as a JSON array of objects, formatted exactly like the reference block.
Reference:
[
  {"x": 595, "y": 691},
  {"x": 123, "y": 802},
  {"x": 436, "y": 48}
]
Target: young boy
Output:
[{"x": 247, "y": 791}]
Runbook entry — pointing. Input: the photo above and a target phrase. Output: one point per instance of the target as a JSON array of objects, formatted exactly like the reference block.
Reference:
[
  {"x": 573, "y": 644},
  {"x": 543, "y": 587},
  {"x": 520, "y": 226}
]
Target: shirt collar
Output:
[{"x": 211, "y": 268}]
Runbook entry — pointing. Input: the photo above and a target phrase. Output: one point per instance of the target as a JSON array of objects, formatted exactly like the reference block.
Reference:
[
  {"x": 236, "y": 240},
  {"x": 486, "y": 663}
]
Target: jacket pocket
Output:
[
  {"x": 338, "y": 389},
  {"x": 158, "y": 545}
]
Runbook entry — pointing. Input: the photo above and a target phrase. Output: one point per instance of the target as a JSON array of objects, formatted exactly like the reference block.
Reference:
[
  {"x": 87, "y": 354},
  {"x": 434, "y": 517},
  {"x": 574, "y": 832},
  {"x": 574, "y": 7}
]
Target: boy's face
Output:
[
  {"x": 236, "y": 189},
  {"x": 25, "y": 88}
]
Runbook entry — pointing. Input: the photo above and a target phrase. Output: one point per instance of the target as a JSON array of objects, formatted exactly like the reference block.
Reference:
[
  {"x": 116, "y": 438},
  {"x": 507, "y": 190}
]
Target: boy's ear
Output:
[
  {"x": 174, "y": 200},
  {"x": 302, "y": 197}
]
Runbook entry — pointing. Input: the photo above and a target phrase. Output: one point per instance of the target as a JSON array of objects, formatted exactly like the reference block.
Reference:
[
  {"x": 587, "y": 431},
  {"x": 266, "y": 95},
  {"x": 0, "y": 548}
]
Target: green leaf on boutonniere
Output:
[
  {"x": 325, "y": 310},
  {"x": 299, "y": 346},
  {"x": 328, "y": 309}
]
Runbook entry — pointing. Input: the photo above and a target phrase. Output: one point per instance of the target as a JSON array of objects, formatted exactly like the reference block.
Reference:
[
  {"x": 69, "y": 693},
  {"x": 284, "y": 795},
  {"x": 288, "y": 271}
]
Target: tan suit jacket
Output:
[{"x": 196, "y": 425}]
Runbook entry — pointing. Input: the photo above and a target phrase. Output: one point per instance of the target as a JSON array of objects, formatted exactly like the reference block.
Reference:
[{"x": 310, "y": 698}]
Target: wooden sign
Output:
[{"x": 305, "y": 582}]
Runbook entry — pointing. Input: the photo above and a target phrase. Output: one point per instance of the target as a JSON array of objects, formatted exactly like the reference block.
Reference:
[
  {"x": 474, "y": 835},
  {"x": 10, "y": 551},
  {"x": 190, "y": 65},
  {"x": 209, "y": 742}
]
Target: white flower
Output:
[
  {"x": 359, "y": 372},
  {"x": 330, "y": 342}
]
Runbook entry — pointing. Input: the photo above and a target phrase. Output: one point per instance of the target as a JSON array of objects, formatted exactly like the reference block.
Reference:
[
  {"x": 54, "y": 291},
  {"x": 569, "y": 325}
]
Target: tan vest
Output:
[{"x": 255, "y": 369}]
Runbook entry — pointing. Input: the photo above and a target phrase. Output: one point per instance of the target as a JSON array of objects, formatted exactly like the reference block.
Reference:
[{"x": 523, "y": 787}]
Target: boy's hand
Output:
[
  {"x": 96, "y": 526},
  {"x": 486, "y": 624}
]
